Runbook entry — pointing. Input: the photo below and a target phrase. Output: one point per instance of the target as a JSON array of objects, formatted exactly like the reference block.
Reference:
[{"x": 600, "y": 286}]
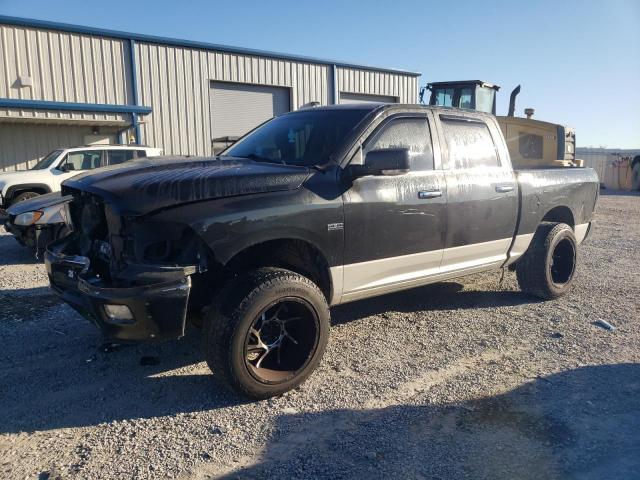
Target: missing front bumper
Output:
[{"x": 158, "y": 309}]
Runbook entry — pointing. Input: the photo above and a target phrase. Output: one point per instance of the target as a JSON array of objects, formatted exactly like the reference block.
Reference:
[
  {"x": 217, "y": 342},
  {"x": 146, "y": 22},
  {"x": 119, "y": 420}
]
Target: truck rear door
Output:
[{"x": 482, "y": 206}]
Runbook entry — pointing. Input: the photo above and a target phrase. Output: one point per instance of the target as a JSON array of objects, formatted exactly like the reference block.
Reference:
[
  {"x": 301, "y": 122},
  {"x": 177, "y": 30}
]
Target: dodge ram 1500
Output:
[{"x": 312, "y": 209}]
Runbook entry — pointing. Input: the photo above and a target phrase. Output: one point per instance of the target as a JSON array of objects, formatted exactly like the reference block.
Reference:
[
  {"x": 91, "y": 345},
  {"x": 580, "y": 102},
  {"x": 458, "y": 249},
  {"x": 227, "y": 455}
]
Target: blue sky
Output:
[{"x": 578, "y": 61}]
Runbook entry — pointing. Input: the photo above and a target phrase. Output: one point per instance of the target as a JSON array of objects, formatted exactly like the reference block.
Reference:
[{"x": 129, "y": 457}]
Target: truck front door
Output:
[
  {"x": 482, "y": 206},
  {"x": 76, "y": 162},
  {"x": 394, "y": 224}
]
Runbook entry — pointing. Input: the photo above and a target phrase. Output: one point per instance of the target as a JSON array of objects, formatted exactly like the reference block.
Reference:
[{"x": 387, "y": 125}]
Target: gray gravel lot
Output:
[{"x": 467, "y": 379}]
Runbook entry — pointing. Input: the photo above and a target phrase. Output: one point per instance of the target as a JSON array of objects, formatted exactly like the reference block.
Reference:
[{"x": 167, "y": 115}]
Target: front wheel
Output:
[
  {"x": 547, "y": 268},
  {"x": 24, "y": 196},
  {"x": 266, "y": 332}
]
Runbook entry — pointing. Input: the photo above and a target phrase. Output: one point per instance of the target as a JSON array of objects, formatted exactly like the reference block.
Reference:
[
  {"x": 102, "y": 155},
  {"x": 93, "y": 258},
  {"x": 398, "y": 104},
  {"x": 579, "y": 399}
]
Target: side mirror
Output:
[
  {"x": 389, "y": 161},
  {"x": 67, "y": 167}
]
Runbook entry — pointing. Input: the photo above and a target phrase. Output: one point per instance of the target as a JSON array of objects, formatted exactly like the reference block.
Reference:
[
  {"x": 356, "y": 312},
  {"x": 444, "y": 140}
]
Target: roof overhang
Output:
[
  {"x": 71, "y": 106},
  {"x": 66, "y": 27}
]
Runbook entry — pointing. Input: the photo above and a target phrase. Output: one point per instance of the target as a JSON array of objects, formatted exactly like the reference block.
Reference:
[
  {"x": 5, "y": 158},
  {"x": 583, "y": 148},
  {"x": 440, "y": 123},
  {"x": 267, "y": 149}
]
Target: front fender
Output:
[{"x": 230, "y": 225}]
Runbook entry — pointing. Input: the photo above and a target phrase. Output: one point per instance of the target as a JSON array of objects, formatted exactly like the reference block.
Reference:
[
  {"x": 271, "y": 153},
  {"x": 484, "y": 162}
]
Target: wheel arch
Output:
[
  {"x": 292, "y": 253},
  {"x": 560, "y": 214},
  {"x": 14, "y": 190}
]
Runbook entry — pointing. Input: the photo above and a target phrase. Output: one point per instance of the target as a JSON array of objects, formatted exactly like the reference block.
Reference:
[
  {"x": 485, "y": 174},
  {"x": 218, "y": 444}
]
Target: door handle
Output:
[
  {"x": 426, "y": 194},
  {"x": 504, "y": 188}
]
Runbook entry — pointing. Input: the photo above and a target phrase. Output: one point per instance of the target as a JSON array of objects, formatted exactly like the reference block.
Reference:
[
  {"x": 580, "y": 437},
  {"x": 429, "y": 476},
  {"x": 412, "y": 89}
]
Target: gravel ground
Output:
[{"x": 467, "y": 379}]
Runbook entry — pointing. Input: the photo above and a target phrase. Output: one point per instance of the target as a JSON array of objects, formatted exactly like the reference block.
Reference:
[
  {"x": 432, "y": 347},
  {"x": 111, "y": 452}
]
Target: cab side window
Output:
[
  {"x": 411, "y": 133},
  {"x": 82, "y": 160},
  {"x": 119, "y": 156},
  {"x": 469, "y": 144}
]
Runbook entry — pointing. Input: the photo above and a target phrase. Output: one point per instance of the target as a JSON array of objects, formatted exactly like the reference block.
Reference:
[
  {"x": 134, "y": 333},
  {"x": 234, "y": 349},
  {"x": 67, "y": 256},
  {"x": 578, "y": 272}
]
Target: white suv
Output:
[{"x": 49, "y": 173}]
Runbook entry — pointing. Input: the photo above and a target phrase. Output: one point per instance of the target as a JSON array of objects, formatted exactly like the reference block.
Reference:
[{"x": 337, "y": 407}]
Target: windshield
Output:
[
  {"x": 303, "y": 138},
  {"x": 46, "y": 161}
]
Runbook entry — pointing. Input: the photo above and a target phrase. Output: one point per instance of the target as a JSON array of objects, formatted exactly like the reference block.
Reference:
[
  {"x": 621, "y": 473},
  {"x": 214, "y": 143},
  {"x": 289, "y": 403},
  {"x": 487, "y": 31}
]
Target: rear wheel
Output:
[
  {"x": 24, "y": 196},
  {"x": 266, "y": 332},
  {"x": 548, "y": 267}
]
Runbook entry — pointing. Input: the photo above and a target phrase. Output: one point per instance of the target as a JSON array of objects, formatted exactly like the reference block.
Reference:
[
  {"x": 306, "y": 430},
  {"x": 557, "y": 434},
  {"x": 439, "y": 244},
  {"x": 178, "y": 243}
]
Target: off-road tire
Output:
[
  {"x": 534, "y": 269},
  {"x": 24, "y": 196},
  {"x": 232, "y": 315}
]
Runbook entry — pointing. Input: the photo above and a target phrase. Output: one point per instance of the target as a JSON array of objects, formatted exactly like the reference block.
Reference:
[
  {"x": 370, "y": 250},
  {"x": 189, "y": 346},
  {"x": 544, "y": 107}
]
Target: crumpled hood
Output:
[
  {"x": 142, "y": 186},
  {"x": 37, "y": 203}
]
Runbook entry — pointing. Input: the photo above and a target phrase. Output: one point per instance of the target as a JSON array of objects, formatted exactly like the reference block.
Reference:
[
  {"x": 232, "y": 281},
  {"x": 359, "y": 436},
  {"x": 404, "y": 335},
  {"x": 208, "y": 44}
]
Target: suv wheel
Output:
[
  {"x": 24, "y": 196},
  {"x": 548, "y": 267},
  {"x": 266, "y": 332}
]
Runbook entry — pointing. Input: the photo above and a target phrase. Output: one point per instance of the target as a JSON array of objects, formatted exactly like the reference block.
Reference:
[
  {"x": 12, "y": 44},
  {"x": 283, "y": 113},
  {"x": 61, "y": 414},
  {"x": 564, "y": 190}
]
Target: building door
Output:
[
  {"x": 366, "y": 98},
  {"x": 237, "y": 108}
]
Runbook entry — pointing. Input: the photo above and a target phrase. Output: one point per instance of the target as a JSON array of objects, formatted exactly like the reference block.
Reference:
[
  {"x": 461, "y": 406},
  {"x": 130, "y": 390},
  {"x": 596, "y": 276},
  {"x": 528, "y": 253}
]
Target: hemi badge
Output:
[{"x": 335, "y": 226}]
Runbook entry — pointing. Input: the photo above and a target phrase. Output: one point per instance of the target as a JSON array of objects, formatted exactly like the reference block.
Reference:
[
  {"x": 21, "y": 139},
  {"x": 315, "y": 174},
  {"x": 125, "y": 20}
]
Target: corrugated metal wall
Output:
[
  {"x": 612, "y": 166},
  {"x": 403, "y": 87},
  {"x": 63, "y": 67},
  {"x": 175, "y": 82},
  {"x": 23, "y": 145}
]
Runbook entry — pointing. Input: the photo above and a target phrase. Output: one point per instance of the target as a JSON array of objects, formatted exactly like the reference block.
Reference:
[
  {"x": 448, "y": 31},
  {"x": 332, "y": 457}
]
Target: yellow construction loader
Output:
[{"x": 531, "y": 143}]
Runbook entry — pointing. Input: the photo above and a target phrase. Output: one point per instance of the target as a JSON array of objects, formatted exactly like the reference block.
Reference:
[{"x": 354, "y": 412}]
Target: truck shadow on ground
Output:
[
  {"x": 70, "y": 376},
  {"x": 12, "y": 253},
  {"x": 438, "y": 296},
  {"x": 59, "y": 372},
  {"x": 582, "y": 423}
]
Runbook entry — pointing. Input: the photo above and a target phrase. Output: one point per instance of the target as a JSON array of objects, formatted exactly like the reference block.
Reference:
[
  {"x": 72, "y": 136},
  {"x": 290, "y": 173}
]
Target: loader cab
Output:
[
  {"x": 469, "y": 94},
  {"x": 531, "y": 142}
]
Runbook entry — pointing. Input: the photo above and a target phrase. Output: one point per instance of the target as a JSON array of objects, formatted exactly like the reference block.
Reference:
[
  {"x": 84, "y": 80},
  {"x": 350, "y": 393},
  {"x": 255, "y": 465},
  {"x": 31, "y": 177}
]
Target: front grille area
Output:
[
  {"x": 89, "y": 221},
  {"x": 91, "y": 230}
]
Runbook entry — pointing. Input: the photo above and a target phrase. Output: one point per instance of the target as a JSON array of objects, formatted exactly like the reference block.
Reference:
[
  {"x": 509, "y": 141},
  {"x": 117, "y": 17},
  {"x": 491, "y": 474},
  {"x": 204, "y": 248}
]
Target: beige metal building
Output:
[
  {"x": 613, "y": 165},
  {"x": 63, "y": 85}
]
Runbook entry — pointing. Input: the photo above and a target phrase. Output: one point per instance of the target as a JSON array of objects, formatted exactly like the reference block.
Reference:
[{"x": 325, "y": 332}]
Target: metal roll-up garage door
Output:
[
  {"x": 237, "y": 108},
  {"x": 365, "y": 98}
]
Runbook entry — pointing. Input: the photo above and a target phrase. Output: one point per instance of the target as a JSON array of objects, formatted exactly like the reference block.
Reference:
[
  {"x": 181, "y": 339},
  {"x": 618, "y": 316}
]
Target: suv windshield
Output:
[
  {"x": 46, "y": 161},
  {"x": 303, "y": 138}
]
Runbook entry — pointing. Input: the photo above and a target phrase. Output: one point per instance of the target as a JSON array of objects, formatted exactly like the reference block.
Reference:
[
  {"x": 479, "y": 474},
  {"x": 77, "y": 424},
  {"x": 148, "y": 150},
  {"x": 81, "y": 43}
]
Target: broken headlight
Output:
[
  {"x": 28, "y": 218},
  {"x": 163, "y": 242}
]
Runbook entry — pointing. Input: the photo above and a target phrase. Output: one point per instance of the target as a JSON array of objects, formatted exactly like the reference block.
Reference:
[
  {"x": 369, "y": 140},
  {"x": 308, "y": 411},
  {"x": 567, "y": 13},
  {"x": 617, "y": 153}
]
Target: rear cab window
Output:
[
  {"x": 405, "y": 132},
  {"x": 119, "y": 156},
  {"x": 469, "y": 143}
]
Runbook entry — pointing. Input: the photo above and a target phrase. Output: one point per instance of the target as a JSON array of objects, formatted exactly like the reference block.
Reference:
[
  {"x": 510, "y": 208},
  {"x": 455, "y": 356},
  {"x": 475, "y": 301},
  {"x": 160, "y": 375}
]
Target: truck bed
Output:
[{"x": 569, "y": 191}]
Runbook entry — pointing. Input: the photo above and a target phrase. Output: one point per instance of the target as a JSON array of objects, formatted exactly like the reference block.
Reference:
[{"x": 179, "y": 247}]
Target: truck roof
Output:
[
  {"x": 370, "y": 107},
  {"x": 107, "y": 146}
]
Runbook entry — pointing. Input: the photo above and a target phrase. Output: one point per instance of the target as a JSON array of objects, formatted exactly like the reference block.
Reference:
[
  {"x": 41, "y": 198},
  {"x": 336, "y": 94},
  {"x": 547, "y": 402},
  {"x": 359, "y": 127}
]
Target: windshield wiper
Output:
[{"x": 258, "y": 158}]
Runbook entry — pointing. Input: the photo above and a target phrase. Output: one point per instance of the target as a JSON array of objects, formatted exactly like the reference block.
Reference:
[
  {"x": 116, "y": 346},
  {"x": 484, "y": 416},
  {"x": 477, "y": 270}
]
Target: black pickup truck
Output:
[{"x": 312, "y": 209}]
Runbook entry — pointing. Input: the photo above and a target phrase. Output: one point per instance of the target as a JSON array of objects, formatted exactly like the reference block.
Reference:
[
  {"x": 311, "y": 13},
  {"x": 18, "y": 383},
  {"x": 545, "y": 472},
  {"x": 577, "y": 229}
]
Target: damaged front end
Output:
[{"x": 133, "y": 282}]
